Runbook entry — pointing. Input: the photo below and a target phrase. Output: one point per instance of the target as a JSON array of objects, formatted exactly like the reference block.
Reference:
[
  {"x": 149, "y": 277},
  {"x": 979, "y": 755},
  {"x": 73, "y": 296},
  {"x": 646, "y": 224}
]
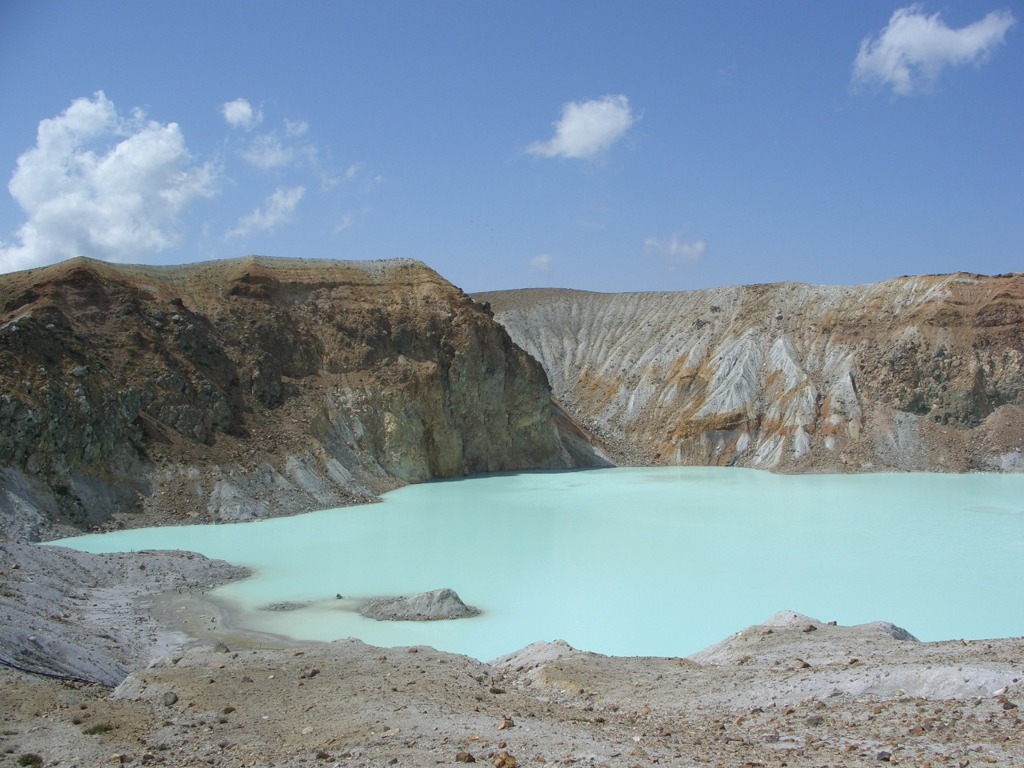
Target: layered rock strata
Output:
[
  {"x": 918, "y": 373},
  {"x": 253, "y": 387}
]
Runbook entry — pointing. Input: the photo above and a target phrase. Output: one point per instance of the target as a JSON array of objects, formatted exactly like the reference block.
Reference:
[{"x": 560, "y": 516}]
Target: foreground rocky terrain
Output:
[
  {"x": 918, "y": 373},
  {"x": 253, "y": 387},
  {"x": 791, "y": 692}
]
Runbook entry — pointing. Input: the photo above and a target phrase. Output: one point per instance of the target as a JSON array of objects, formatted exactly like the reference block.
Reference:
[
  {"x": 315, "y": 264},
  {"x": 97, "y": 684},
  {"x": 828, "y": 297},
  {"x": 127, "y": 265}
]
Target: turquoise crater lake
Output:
[{"x": 658, "y": 561}]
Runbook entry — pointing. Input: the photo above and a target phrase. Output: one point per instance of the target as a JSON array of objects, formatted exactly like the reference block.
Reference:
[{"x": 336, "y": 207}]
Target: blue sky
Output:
[{"x": 593, "y": 145}]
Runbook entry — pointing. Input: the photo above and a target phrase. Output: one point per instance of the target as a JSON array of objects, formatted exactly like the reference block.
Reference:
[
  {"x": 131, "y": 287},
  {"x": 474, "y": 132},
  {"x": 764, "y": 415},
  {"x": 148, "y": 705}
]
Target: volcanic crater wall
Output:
[
  {"x": 253, "y": 387},
  {"x": 918, "y": 373}
]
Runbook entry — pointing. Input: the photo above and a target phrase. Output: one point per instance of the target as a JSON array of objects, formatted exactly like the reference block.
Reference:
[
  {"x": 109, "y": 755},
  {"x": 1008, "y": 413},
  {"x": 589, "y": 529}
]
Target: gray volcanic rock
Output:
[
  {"x": 72, "y": 614},
  {"x": 435, "y": 605},
  {"x": 918, "y": 373},
  {"x": 253, "y": 387}
]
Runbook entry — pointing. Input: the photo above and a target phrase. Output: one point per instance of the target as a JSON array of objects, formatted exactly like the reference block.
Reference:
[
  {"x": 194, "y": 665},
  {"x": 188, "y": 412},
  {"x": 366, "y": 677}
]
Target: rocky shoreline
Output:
[{"x": 183, "y": 687}]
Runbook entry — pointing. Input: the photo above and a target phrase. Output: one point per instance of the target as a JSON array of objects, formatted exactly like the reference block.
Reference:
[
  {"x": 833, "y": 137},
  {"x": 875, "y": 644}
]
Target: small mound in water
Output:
[
  {"x": 286, "y": 606},
  {"x": 427, "y": 606}
]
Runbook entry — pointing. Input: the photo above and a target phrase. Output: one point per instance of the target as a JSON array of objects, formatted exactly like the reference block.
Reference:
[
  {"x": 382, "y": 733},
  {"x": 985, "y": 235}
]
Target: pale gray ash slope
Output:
[{"x": 918, "y": 373}]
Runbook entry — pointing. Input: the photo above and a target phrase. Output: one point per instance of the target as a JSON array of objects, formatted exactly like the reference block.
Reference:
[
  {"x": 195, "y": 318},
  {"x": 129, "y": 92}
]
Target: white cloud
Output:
[
  {"x": 101, "y": 185},
  {"x": 266, "y": 151},
  {"x": 277, "y": 149},
  {"x": 269, "y": 150},
  {"x": 296, "y": 127},
  {"x": 240, "y": 114},
  {"x": 278, "y": 209},
  {"x": 587, "y": 128},
  {"x": 913, "y": 48},
  {"x": 543, "y": 263},
  {"x": 329, "y": 181},
  {"x": 349, "y": 219},
  {"x": 676, "y": 252}
]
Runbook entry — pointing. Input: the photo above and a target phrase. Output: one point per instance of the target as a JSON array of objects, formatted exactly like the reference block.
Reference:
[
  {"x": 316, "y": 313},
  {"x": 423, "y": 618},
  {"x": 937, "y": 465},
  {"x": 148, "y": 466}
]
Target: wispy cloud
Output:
[
  {"x": 297, "y": 165},
  {"x": 349, "y": 219},
  {"x": 587, "y": 128},
  {"x": 102, "y": 185},
  {"x": 271, "y": 149},
  {"x": 267, "y": 151},
  {"x": 914, "y": 47},
  {"x": 296, "y": 127},
  {"x": 241, "y": 114},
  {"x": 675, "y": 252},
  {"x": 543, "y": 263},
  {"x": 277, "y": 209}
]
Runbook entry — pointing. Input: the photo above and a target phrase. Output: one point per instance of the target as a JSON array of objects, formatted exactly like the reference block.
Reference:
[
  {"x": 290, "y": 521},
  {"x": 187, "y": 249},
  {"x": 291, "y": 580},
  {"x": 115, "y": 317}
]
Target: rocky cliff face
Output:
[
  {"x": 919, "y": 373},
  {"x": 253, "y": 387}
]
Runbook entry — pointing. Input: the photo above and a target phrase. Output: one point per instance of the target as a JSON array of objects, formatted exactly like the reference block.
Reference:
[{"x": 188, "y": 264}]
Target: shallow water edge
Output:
[{"x": 632, "y": 562}]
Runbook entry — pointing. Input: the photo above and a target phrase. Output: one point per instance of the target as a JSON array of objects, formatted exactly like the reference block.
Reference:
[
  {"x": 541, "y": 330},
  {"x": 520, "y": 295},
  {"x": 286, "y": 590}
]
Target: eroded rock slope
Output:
[
  {"x": 252, "y": 387},
  {"x": 918, "y": 373}
]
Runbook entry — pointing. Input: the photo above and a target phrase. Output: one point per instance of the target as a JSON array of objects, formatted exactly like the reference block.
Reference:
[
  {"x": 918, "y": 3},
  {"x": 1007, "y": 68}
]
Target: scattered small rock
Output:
[
  {"x": 170, "y": 699},
  {"x": 464, "y": 757}
]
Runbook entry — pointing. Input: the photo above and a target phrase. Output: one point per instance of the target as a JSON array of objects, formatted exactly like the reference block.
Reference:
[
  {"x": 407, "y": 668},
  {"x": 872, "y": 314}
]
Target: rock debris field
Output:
[{"x": 185, "y": 688}]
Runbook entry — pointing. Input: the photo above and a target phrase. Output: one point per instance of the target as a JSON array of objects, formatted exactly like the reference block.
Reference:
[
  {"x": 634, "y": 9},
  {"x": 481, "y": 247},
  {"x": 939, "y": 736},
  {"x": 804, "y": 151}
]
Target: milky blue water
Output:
[{"x": 633, "y": 561}]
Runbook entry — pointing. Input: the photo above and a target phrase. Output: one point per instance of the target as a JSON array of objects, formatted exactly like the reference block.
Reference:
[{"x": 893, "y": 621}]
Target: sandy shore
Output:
[{"x": 790, "y": 692}]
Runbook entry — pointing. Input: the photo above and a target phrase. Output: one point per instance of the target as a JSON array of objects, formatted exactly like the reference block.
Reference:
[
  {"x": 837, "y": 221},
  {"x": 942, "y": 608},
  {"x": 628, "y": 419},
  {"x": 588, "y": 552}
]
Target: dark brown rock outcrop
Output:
[
  {"x": 252, "y": 387},
  {"x": 918, "y": 373}
]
